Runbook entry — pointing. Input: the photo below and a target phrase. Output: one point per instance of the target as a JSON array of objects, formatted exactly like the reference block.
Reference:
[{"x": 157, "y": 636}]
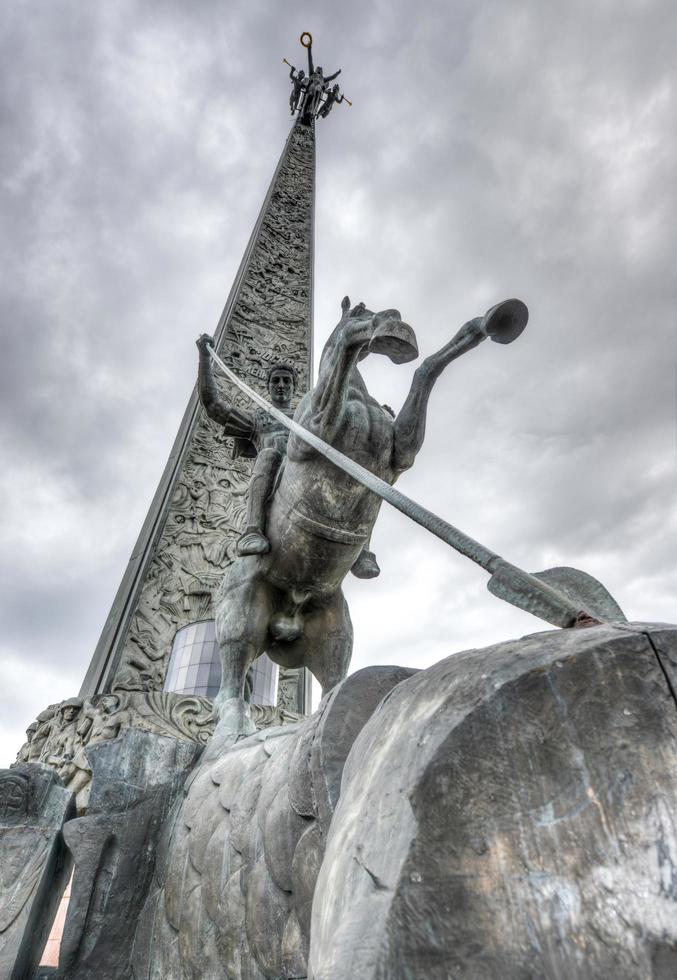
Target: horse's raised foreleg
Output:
[{"x": 409, "y": 427}]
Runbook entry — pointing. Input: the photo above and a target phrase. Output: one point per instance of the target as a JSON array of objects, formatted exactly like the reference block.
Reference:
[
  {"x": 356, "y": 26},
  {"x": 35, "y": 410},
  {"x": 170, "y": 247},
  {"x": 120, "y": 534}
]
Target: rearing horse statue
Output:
[{"x": 289, "y": 602}]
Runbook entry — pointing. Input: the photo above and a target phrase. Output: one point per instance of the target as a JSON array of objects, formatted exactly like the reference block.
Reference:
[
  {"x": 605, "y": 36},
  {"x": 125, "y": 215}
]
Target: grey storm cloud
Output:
[{"x": 492, "y": 149}]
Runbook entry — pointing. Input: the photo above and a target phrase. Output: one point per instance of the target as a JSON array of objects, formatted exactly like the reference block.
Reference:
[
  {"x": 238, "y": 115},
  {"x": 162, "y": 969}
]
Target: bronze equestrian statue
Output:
[{"x": 288, "y": 602}]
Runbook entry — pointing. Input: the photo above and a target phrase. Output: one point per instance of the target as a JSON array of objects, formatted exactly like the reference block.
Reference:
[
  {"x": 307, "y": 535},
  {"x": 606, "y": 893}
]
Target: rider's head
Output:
[{"x": 281, "y": 379}]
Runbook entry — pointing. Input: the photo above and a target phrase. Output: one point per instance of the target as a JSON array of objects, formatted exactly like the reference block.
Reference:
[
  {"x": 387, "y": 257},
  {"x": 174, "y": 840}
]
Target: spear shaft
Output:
[{"x": 508, "y": 581}]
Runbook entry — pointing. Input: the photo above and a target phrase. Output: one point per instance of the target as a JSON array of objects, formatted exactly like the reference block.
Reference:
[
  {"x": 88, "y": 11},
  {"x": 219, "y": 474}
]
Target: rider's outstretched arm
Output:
[
  {"x": 330, "y": 78},
  {"x": 234, "y": 421}
]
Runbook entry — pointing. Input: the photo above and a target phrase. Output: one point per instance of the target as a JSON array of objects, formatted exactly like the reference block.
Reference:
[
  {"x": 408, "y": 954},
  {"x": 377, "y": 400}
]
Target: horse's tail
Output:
[{"x": 286, "y": 627}]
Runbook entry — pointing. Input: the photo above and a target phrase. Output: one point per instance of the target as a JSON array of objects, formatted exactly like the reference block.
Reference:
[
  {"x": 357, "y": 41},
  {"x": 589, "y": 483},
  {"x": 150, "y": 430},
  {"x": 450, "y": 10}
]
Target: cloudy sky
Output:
[{"x": 493, "y": 149}]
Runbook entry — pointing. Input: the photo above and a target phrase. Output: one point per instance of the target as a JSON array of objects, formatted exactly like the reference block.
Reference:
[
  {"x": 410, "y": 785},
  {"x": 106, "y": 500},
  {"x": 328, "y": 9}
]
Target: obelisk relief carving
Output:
[{"x": 192, "y": 531}]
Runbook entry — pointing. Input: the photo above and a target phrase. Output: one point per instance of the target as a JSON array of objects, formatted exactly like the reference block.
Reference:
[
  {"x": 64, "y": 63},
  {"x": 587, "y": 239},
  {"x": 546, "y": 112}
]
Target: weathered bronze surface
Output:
[
  {"x": 509, "y": 813},
  {"x": 288, "y": 601}
]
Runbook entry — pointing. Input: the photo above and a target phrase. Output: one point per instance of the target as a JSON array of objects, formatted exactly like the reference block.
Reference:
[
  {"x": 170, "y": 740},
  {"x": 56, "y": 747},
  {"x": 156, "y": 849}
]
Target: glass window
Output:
[{"x": 195, "y": 666}]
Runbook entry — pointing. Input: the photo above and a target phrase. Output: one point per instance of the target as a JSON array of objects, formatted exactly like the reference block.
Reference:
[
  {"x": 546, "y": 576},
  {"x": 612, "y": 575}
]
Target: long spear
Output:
[{"x": 574, "y": 598}]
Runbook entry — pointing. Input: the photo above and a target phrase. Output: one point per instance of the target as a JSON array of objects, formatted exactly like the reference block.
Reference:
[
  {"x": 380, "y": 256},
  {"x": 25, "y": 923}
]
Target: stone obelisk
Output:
[{"x": 188, "y": 538}]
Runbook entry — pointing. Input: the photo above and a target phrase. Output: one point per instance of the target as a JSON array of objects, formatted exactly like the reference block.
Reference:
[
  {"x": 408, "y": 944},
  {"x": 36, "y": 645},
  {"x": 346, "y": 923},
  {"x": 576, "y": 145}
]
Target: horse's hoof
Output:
[
  {"x": 365, "y": 565},
  {"x": 234, "y": 723},
  {"x": 393, "y": 337},
  {"x": 253, "y": 543},
  {"x": 234, "y": 715}
]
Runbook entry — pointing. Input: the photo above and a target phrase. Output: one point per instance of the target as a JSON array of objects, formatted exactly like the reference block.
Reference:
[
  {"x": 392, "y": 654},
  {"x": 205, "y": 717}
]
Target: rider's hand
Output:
[{"x": 203, "y": 342}]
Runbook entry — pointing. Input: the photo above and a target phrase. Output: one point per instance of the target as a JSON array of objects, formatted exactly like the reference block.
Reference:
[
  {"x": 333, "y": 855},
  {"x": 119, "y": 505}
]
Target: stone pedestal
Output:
[
  {"x": 33, "y": 863},
  {"x": 135, "y": 781}
]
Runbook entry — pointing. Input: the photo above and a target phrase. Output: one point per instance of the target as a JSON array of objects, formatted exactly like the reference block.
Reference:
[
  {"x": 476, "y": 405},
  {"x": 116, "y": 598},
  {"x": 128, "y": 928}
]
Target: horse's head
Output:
[
  {"x": 375, "y": 333},
  {"x": 393, "y": 337}
]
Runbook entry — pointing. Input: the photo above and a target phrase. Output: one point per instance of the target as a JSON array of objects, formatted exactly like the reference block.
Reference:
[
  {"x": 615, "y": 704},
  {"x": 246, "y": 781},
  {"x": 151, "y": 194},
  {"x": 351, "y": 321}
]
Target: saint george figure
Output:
[
  {"x": 299, "y": 84},
  {"x": 333, "y": 97},
  {"x": 258, "y": 434}
]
